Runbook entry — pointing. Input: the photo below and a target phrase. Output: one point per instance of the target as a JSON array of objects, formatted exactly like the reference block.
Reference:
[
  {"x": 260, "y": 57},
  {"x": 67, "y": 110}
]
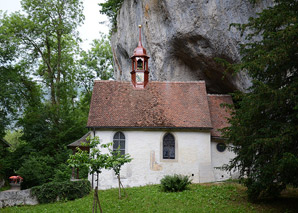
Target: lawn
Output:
[{"x": 227, "y": 197}]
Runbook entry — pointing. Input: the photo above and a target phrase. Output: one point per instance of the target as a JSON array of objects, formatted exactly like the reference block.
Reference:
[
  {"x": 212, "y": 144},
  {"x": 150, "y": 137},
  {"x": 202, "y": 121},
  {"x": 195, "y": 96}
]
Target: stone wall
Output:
[{"x": 14, "y": 198}]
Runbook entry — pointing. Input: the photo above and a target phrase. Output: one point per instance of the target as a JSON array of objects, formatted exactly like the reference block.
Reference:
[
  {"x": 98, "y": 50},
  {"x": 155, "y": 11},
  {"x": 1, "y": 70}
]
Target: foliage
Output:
[
  {"x": 111, "y": 9},
  {"x": 95, "y": 160},
  {"x": 15, "y": 85},
  {"x": 14, "y": 139},
  {"x": 264, "y": 123},
  {"x": 41, "y": 86},
  {"x": 4, "y": 162},
  {"x": 199, "y": 198},
  {"x": 115, "y": 161},
  {"x": 36, "y": 171},
  {"x": 61, "y": 173},
  {"x": 174, "y": 183},
  {"x": 67, "y": 190},
  {"x": 4, "y": 188},
  {"x": 96, "y": 63}
]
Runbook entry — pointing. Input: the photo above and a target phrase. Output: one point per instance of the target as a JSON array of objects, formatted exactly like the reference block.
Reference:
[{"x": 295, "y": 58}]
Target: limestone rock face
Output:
[{"x": 182, "y": 38}]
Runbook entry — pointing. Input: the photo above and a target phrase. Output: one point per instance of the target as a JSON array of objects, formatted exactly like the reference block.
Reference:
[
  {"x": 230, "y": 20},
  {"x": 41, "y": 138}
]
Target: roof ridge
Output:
[{"x": 160, "y": 82}]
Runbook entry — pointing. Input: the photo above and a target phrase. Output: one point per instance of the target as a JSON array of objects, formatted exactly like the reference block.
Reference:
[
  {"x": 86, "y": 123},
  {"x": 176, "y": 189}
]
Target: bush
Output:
[
  {"x": 36, "y": 170},
  {"x": 174, "y": 183},
  {"x": 67, "y": 190}
]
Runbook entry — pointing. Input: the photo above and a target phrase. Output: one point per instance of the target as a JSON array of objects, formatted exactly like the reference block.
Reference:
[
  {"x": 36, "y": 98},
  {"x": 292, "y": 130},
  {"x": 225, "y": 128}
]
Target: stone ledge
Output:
[{"x": 15, "y": 198}]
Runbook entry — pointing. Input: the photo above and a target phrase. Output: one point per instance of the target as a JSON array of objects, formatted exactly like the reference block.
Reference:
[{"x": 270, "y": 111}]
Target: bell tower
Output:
[{"x": 139, "y": 73}]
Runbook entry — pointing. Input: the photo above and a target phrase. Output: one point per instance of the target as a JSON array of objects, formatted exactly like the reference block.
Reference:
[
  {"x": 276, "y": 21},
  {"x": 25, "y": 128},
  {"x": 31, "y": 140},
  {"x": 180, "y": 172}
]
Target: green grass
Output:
[{"x": 227, "y": 197}]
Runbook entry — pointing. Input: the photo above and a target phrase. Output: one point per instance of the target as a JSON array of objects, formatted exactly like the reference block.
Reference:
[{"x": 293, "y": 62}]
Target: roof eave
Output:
[{"x": 155, "y": 128}]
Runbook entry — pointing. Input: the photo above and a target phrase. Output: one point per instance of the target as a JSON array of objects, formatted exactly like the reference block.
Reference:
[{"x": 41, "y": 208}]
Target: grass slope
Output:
[{"x": 199, "y": 198}]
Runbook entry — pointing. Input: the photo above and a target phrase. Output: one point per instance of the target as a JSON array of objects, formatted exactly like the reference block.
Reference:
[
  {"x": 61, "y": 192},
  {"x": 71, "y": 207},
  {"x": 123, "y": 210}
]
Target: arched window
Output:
[
  {"x": 168, "y": 146},
  {"x": 119, "y": 142},
  {"x": 140, "y": 64}
]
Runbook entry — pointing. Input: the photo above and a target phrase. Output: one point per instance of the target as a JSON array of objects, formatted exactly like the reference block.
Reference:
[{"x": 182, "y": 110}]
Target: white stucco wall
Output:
[
  {"x": 193, "y": 158},
  {"x": 218, "y": 160}
]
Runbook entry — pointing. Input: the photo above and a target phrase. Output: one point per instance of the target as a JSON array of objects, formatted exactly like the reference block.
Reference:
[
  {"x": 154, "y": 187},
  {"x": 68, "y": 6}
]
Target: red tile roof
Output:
[
  {"x": 160, "y": 105},
  {"x": 219, "y": 114}
]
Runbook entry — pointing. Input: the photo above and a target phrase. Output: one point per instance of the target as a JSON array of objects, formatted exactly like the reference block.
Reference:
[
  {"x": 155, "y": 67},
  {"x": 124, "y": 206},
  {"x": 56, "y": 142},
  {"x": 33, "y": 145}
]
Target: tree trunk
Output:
[
  {"x": 58, "y": 67},
  {"x": 50, "y": 72},
  {"x": 119, "y": 189},
  {"x": 123, "y": 189}
]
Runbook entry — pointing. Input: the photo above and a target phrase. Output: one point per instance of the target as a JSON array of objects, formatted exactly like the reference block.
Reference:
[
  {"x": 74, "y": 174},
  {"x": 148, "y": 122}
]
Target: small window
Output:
[
  {"x": 168, "y": 146},
  {"x": 221, "y": 147},
  {"x": 119, "y": 142},
  {"x": 140, "y": 64}
]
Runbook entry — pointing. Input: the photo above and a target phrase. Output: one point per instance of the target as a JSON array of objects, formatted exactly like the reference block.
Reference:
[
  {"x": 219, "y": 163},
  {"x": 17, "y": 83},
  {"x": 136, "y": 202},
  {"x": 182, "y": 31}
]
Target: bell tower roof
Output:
[{"x": 139, "y": 50}]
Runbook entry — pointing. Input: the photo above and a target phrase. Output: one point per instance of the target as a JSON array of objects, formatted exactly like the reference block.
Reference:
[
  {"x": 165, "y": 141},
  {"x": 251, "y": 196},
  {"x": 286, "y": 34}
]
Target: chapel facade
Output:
[{"x": 167, "y": 127}]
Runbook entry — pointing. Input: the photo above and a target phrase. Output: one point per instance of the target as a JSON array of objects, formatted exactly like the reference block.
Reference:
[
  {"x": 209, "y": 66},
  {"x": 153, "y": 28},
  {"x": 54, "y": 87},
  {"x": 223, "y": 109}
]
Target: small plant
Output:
[{"x": 174, "y": 183}]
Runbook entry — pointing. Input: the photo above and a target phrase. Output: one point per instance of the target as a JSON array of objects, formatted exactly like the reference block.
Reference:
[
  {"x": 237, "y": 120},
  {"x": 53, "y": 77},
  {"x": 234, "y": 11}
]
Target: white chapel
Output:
[{"x": 167, "y": 127}]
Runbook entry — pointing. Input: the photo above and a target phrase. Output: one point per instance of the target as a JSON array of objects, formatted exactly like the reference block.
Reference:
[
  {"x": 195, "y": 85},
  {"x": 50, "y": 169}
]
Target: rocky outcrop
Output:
[{"x": 183, "y": 37}]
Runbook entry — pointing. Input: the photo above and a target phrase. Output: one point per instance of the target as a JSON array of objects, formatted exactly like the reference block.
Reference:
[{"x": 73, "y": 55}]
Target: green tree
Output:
[
  {"x": 14, "y": 139},
  {"x": 16, "y": 88},
  {"x": 42, "y": 43},
  {"x": 96, "y": 63},
  {"x": 264, "y": 124},
  {"x": 95, "y": 160},
  {"x": 46, "y": 38},
  {"x": 115, "y": 161},
  {"x": 36, "y": 170},
  {"x": 111, "y": 9}
]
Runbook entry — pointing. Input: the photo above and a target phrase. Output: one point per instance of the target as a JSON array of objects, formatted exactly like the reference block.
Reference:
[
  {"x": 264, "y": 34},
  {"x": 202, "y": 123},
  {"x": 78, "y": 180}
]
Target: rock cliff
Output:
[{"x": 182, "y": 38}]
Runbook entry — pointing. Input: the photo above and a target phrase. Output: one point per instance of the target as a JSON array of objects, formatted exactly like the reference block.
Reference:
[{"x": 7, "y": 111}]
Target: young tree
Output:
[
  {"x": 115, "y": 161},
  {"x": 264, "y": 124},
  {"x": 96, "y": 161}
]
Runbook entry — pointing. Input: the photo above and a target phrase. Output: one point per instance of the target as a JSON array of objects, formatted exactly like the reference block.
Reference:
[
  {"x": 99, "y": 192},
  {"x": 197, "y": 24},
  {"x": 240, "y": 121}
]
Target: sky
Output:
[{"x": 88, "y": 31}]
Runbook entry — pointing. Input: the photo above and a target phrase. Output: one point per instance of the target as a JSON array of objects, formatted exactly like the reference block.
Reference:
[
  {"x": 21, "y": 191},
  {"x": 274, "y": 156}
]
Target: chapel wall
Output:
[
  {"x": 148, "y": 167},
  {"x": 218, "y": 160}
]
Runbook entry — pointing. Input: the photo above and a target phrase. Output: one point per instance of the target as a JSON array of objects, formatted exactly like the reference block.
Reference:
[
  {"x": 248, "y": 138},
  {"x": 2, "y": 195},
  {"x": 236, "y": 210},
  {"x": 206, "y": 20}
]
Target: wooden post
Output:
[
  {"x": 119, "y": 189},
  {"x": 73, "y": 173},
  {"x": 96, "y": 201},
  {"x": 78, "y": 173}
]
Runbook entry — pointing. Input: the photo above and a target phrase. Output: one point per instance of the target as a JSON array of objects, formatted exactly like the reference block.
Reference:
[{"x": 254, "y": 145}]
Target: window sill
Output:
[{"x": 169, "y": 160}]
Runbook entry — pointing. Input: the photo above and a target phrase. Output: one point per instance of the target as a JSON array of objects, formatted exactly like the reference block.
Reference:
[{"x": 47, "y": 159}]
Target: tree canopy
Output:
[
  {"x": 43, "y": 73},
  {"x": 264, "y": 123},
  {"x": 111, "y": 9}
]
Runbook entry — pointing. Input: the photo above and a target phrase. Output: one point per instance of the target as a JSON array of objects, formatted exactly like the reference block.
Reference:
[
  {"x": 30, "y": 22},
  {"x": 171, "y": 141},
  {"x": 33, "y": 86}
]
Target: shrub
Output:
[
  {"x": 36, "y": 170},
  {"x": 174, "y": 183},
  {"x": 67, "y": 190}
]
